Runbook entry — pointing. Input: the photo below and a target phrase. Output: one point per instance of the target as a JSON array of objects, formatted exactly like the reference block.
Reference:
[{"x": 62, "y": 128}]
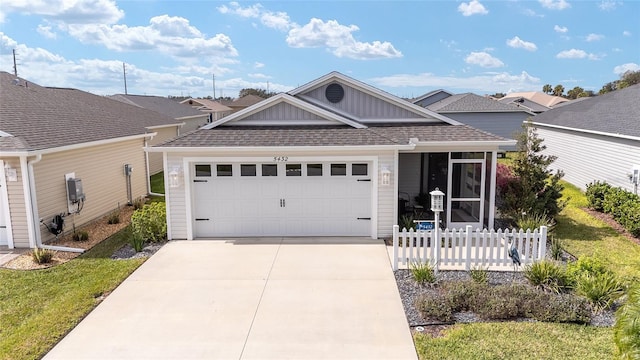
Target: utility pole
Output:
[
  {"x": 214, "y": 86},
  {"x": 124, "y": 74},
  {"x": 15, "y": 66}
]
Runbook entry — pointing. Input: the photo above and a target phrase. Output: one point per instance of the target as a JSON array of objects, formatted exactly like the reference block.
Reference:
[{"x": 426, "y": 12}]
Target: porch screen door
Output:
[{"x": 466, "y": 192}]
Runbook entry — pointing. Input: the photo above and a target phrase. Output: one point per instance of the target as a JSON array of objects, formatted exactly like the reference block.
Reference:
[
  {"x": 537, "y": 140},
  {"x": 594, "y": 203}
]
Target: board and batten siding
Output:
[
  {"x": 155, "y": 159},
  {"x": 17, "y": 206},
  {"x": 193, "y": 124},
  {"x": 386, "y": 194},
  {"x": 505, "y": 124},
  {"x": 362, "y": 104},
  {"x": 585, "y": 158},
  {"x": 284, "y": 113},
  {"x": 101, "y": 169}
]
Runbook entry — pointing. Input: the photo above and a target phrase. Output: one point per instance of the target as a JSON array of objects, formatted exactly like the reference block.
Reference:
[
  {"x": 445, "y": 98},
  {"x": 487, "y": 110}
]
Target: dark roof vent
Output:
[{"x": 334, "y": 93}]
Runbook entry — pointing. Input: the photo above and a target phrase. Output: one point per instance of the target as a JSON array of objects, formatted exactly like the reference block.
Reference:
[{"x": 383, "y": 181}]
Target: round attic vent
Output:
[{"x": 334, "y": 93}]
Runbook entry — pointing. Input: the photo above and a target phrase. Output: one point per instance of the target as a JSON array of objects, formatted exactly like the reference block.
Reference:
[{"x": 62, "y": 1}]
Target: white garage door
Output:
[{"x": 282, "y": 199}]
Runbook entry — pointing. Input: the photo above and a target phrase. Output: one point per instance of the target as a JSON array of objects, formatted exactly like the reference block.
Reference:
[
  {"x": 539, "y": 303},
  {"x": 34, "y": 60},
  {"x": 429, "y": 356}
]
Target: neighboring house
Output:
[
  {"x": 535, "y": 101},
  {"x": 51, "y": 135},
  {"x": 478, "y": 111},
  {"x": 216, "y": 110},
  {"x": 329, "y": 158},
  {"x": 595, "y": 139},
  {"x": 244, "y": 102},
  {"x": 187, "y": 119}
]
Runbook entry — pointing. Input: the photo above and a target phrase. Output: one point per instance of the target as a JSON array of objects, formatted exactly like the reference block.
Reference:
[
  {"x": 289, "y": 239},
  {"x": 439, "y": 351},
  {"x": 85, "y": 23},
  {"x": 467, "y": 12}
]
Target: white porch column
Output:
[{"x": 492, "y": 194}]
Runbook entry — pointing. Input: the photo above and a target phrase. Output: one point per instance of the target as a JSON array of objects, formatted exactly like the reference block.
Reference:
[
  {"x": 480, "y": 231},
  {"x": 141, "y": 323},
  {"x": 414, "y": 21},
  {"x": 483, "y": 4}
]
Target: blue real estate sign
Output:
[{"x": 425, "y": 225}]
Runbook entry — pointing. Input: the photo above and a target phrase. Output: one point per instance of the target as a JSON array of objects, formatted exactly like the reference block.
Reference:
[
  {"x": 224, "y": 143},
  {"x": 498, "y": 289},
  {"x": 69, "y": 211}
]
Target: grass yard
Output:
[
  {"x": 38, "y": 307},
  {"x": 518, "y": 340},
  {"x": 583, "y": 234},
  {"x": 157, "y": 183}
]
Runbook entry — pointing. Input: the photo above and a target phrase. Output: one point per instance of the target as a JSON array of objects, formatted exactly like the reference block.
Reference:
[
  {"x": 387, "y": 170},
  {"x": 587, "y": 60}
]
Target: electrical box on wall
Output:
[
  {"x": 74, "y": 187},
  {"x": 128, "y": 169}
]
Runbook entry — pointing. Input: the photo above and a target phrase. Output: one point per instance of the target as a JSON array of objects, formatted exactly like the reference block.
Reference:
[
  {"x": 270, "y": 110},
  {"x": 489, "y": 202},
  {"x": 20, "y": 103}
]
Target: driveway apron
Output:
[{"x": 259, "y": 298}]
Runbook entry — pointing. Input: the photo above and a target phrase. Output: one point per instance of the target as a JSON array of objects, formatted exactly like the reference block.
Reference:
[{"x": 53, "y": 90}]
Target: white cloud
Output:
[
  {"x": 560, "y": 29},
  {"x": 339, "y": 39},
  {"x": 594, "y": 37},
  {"x": 170, "y": 35},
  {"x": 274, "y": 20},
  {"x": 626, "y": 33},
  {"x": 45, "y": 30},
  {"x": 577, "y": 54},
  {"x": 258, "y": 65},
  {"x": 555, "y": 4},
  {"x": 621, "y": 69},
  {"x": 518, "y": 43},
  {"x": 234, "y": 8},
  {"x": 259, "y": 76},
  {"x": 608, "y": 5},
  {"x": 473, "y": 7},
  {"x": 490, "y": 82},
  {"x": 483, "y": 59},
  {"x": 67, "y": 11},
  {"x": 532, "y": 13}
]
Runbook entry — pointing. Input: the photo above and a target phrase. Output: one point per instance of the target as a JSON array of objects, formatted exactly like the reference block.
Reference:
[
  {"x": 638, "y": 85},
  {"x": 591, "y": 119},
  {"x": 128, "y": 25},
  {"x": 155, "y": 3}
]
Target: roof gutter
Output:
[
  {"x": 32, "y": 203},
  {"x": 280, "y": 148},
  {"x": 76, "y": 146},
  {"x": 621, "y": 136},
  {"x": 483, "y": 144}
]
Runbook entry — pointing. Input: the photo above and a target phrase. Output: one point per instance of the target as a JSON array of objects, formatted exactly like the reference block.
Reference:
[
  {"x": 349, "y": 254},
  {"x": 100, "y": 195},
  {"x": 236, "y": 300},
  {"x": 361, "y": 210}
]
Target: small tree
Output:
[{"x": 534, "y": 189}]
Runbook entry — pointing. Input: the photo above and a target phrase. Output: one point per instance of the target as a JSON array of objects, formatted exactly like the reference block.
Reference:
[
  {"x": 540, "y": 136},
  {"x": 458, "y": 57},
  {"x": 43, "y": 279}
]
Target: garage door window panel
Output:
[
  {"x": 203, "y": 170},
  {"x": 269, "y": 170},
  {"x": 247, "y": 170},
  {"x": 294, "y": 170},
  {"x": 359, "y": 169},
  {"x": 314, "y": 169},
  {"x": 338, "y": 169},
  {"x": 224, "y": 170}
]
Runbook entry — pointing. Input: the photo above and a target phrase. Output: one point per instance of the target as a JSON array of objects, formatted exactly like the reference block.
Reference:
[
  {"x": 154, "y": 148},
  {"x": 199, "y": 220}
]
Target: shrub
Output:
[
  {"x": 406, "y": 222},
  {"x": 548, "y": 276},
  {"x": 595, "y": 193},
  {"x": 114, "y": 217},
  {"x": 138, "y": 203},
  {"x": 435, "y": 306},
  {"x": 586, "y": 265},
  {"x": 460, "y": 293},
  {"x": 150, "y": 222},
  {"x": 137, "y": 242},
  {"x": 630, "y": 218},
  {"x": 534, "y": 221},
  {"x": 560, "y": 308},
  {"x": 557, "y": 248},
  {"x": 479, "y": 275},
  {"x": 615, "y": 200},
  {"x": 42, "y": 256},
  {"x": 601, "y": 290},
  {"x": 423, "y": 273},
  {"x": 627, "y": 328},
  {"x": 81, "y": 236},
  {"x": 496, "y": 303}
]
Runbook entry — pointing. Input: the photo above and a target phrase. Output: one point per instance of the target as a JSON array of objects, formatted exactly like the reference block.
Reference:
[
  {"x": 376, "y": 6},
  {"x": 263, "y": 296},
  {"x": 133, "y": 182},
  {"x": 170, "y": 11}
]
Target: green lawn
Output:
[
  {"x": 157, "y": 183},
  {"x": 511, "y": 340},
  {"x": 38, "y": 307},
  {"x": 583, "y": 234}
]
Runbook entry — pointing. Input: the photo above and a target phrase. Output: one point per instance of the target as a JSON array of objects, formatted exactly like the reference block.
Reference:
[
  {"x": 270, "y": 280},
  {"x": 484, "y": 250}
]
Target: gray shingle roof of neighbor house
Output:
[
  {"x": 209, "y": 105},
  {"x": 246, "y": 101},
  {"x": 526, "y": 103},
  {"x": 39, "y": 118},
  {"x": 617, "y": 112},
  {"x": 159, "y": 104},
  {"x": 390, "y": 134},
  {"x": 470, "y": 102}
]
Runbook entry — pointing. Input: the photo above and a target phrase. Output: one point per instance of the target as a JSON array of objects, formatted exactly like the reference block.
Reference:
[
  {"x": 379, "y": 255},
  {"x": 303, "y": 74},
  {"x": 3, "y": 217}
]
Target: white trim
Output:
[
  {"x": 77, "y": 146},
  {"x": 187, "y": 162},
  {"x": 280, "y": 148},
  {"x": 492, "y": 189},
  {"x": 481, "y": 200},
  {"x": 465, "y": 144},
  {"x": 191, "y": 117},
  {"x": 167, "y": 201},
  {"x": 375, "y": 92},
  {"x": 27, "y": 201},
  {"x": 3, "y": 134},
  {"x": 286, "y": 98},
  {"x": 7, "y": 215},
  {"x": 430, "y": 94},
  {"x": 180, "y": 124},
  {"x": 621, "y": 136},
  {"x": 396, "y": 186}
]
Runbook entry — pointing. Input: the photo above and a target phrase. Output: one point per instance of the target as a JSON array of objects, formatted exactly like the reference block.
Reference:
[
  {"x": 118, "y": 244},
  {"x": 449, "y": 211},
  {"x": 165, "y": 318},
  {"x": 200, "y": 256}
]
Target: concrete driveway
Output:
[{"x": 263, "y": 298}]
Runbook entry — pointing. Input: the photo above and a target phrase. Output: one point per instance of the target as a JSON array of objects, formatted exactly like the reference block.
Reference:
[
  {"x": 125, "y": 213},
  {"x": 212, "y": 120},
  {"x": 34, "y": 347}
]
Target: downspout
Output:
[{"x": 34, "y": 210}]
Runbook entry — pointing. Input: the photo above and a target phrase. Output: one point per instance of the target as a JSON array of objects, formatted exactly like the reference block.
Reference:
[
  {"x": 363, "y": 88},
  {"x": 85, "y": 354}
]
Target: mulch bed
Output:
[{"x": 608, "y": 219}]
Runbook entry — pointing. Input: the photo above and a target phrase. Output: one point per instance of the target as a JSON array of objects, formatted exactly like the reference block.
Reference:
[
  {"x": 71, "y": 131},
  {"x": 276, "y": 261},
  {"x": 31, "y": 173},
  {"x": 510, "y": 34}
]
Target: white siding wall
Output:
[
  {"x": 386, "y": 194},
  {"x": 17, "y": 206},
  {"x": 585, "y": 158}
]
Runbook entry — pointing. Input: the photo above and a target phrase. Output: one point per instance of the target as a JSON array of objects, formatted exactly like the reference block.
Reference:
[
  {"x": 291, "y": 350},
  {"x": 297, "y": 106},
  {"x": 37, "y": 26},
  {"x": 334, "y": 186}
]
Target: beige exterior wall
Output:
[
  {"x": 163, "y": 134},
  {"x": 17, "y": 205},
  {"x": 101, "y": 169}
]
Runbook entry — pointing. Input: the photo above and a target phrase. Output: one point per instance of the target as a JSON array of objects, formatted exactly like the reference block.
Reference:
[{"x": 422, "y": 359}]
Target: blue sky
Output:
[{"x": 404, "y": 47}]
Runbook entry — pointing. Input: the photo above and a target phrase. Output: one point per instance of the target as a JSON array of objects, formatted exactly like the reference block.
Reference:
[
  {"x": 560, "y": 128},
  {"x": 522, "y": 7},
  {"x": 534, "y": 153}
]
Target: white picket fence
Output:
[{"x": 463, "y": 249}]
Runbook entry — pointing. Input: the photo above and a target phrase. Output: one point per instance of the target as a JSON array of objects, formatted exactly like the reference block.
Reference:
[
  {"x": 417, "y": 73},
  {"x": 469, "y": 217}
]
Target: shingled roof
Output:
[
  {"x": 616, "y": 113},
  {"x": 470, "y": 102},
  {"x": 40, "y": 118},
  {"x": 159, "y": 104}
]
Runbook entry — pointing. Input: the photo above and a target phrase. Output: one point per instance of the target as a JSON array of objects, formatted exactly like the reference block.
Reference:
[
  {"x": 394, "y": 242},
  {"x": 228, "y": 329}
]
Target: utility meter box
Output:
[{"x": 74, "y": 187}]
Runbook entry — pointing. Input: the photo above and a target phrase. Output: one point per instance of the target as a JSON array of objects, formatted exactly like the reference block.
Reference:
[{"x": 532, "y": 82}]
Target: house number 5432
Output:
[{"x": 280, "y": 158}]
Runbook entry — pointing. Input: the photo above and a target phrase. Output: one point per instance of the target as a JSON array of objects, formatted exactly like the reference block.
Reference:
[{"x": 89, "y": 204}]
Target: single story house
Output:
[
  {"x": 187, "y": 119},
  {"x": 595, "y": 139},
  {"x": 478, "y": 111},
  {"x": 215, "y": 109},
  {"x": 329, "y": 158},
  {"x": 535, "y": 101},
  {"x": 70, "y": 153}
]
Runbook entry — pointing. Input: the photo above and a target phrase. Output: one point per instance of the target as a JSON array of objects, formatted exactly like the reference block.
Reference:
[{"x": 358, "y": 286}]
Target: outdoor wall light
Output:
[
  {"x": 386, "y": 176},
  {"x": 437, "y": 200},
  {"x": 175, "y": 177}
]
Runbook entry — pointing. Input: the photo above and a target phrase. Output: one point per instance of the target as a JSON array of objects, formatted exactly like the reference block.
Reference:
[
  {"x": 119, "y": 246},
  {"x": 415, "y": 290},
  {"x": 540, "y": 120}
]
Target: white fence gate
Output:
[{"x": 463, "y": 249}]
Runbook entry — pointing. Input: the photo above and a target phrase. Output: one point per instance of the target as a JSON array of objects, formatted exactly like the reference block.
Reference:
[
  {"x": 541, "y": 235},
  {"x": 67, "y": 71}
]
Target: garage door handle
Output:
[
  {"x": 364, "y": 180},
  {"x": 364, "y": 218},
  {"x": 202, "y": 219},
  {"x": 200, "y": 180}
]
